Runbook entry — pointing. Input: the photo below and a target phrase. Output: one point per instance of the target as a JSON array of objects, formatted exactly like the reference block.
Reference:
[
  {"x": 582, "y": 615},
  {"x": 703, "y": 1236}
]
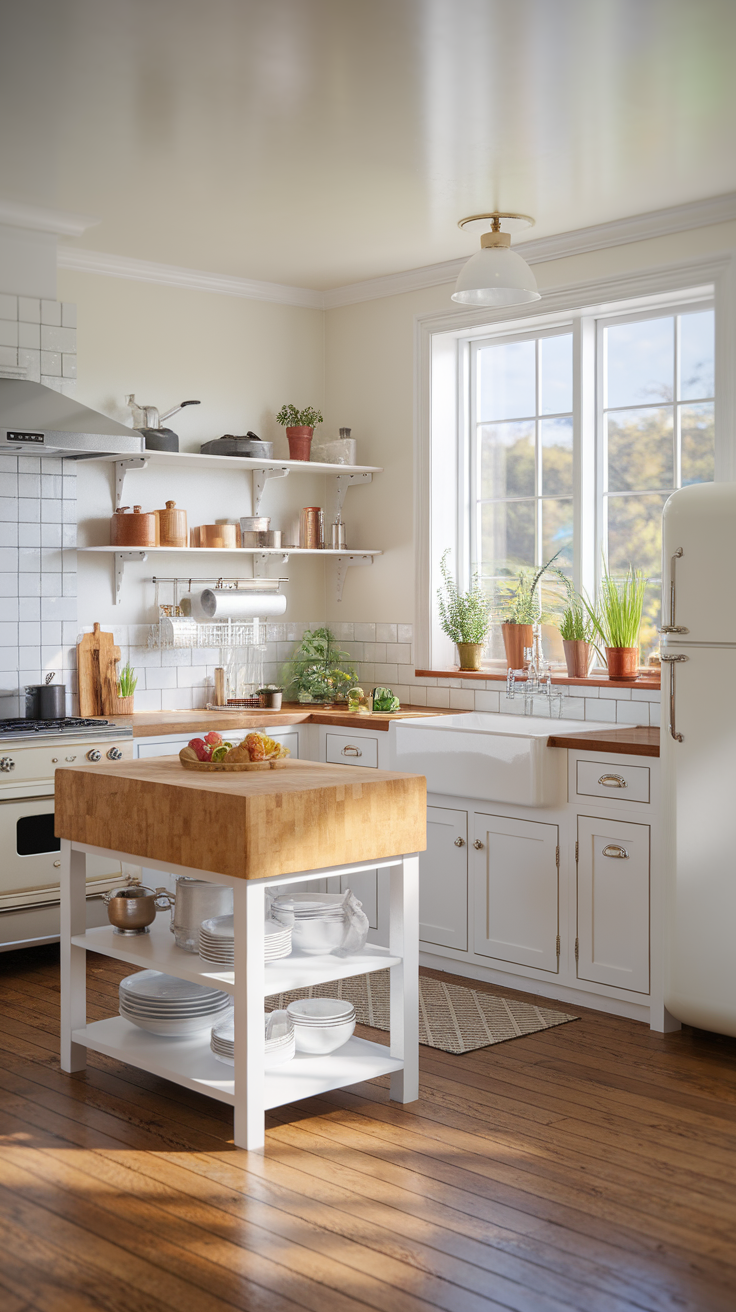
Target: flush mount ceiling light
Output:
[{"x": 496, "y": 275}]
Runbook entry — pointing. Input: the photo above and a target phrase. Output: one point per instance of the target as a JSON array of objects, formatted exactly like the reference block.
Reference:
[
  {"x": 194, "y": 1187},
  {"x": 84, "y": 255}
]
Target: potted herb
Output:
[
  {"x": 577, "y": 632},
  {"x": 522, "y": 609},
  {"x": 464, "y": 616},
  {"x": 300, "y": 426},
  {"x": 319, "y": 671},
  {"x": 617, "y": 621},
  {"x": 127, "y": 684}
]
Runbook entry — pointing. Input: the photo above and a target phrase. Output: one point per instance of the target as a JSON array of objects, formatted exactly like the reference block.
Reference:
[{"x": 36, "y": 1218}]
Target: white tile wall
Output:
[{"x": 41, "y": 337}]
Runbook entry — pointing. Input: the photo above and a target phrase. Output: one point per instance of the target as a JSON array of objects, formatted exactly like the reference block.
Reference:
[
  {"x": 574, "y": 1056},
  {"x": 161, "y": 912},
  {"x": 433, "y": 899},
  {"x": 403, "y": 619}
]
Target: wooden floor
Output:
[{"x": 588, "y": 1167}]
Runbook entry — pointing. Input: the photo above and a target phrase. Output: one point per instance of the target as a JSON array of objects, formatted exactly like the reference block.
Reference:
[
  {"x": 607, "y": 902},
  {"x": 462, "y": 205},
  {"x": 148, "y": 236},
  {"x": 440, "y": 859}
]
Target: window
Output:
[{"x": 537, "y": 467}]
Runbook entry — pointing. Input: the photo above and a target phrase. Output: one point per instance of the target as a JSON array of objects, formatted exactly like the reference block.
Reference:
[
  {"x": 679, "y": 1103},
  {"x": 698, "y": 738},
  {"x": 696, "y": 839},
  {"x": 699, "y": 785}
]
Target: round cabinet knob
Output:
[
  {"x": 94, "y": 755},
  {"x": 459, "y": 842},
  {"x": 57, "y": 864},
  {"x": 114, "y": 754},
  {"x": 477, "y": 845},
  {"x": 7, "y": 764},
  {"x": 54, "y": 760}
]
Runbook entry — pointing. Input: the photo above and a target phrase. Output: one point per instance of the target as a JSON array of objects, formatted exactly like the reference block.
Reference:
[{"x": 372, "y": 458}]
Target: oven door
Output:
[{"x": 30, "y": 857}]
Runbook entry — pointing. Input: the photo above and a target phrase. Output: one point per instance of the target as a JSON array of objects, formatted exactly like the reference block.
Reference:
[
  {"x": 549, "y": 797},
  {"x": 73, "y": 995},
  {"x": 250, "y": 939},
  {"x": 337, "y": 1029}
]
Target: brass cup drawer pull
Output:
[
  {"x": 459, "y": 842},
  {"x": 351, "y": 751},
  {"x": 616, "y": 850},
  {"x": 613, "y": 781}
]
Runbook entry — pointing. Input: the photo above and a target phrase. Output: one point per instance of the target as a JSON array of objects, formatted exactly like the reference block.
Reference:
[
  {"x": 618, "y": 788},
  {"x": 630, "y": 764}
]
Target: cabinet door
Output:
[
  {"x": 613, "y": 903},
  {"x": 443, "y": 880},
  {"x": 516, "y": 886}
]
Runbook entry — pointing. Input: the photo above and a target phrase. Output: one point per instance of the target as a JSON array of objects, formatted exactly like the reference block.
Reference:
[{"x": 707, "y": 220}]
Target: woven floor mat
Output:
[{"x": 451, "y": 1017}]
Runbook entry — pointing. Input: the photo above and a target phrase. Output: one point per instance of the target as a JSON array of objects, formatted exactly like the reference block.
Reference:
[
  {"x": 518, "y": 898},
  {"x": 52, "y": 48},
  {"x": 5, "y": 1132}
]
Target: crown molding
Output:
[
  {"x": 38, "y": 219},
  {"x": 620, "y": 232},
  {"x": 171, "y": 275}
]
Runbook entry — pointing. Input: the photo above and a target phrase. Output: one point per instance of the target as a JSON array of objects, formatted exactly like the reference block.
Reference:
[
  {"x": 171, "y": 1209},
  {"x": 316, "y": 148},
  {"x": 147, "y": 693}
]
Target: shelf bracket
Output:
[
  {"x": 120, "y": 558},
  {"x": 344, "y": 563},
  {"x": 261, "y": 559},
  {"x": 260, "y": 479},
  {"x": 121, "y": 469},
  {"x": 344, "y": 481}
]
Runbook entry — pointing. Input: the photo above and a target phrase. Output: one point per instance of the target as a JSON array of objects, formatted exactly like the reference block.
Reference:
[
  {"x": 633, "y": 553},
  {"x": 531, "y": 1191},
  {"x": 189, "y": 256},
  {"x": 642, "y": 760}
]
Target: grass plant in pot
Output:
[
  {"x": 617, "y": 621},
  {"x": 577, "y": 632},
  {"x": 522, "y": 609},
  {"x": 127, "y": 684},
  {"x": 464, "y": 616},
  {"x": 300, "y": 426}
]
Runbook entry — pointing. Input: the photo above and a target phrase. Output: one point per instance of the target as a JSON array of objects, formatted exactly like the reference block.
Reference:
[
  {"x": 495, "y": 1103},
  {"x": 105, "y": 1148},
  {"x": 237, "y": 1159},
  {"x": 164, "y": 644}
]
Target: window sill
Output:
[{"x": 648, "y": 678}]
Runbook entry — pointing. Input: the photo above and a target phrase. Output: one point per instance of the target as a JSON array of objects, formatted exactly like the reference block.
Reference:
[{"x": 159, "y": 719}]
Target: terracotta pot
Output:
[
  {"x": 622, "y": 662},
  {"x": 578, "y": 656},
  {"x": 300, "y": 441},
  {"x": 515, "y": 638},
  {"x": 124, "y": 705},
  {"x": 470, "y": 654}
]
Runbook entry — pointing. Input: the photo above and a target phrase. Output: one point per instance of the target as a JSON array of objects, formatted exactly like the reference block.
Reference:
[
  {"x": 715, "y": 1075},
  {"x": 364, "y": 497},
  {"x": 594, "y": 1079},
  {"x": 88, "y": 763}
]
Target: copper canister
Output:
[
  {"x": 172, "y": 526},
  {"x": 310, "y": 528},
  {"x": 218, "y": 535},
  {"x": 136, "y": 530}
]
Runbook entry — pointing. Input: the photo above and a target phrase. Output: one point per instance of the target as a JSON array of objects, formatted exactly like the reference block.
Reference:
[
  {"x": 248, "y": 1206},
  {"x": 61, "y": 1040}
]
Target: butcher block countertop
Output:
[
  {"x": 631, "y": 741},
  {"x": 249, "y": 825},
  {"x": 151, "y": 724}
]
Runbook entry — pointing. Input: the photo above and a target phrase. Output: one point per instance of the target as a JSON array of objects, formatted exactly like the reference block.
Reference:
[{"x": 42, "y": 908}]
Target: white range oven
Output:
[{"x": 30, "y": 753}]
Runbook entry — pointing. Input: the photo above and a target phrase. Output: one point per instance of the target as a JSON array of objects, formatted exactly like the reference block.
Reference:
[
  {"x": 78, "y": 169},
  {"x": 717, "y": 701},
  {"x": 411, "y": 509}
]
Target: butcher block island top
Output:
[{"x": 250, "y": 825}]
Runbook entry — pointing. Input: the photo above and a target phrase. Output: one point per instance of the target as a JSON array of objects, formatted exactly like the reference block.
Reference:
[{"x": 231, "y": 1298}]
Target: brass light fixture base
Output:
[{"x": 515, "y": 222}]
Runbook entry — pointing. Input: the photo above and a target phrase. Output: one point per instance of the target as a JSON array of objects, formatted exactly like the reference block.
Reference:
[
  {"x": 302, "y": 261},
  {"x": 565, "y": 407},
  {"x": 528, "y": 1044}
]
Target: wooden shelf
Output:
[
  {"x": 189, "y": 1061},
  {"x": 158, "y": 951}
]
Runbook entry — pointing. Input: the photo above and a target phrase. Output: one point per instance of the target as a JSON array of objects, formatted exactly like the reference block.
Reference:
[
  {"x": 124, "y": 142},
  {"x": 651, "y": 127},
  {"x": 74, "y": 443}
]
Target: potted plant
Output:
[
  {"x": 464, "y": 616},
  {"x": 319, "y": 671},
  {"x": 577, "y": 632},
  {"x": 300, "y": 426},
  {"x": 127, "y": 684},
  {"x": 522, "y": 609},
  {"x": 617, "y": 620}
]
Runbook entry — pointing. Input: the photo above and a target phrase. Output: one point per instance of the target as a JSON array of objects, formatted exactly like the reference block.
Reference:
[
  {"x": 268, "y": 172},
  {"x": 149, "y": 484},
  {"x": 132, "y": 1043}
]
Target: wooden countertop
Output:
[
  {"x": 636, "y": 740},
  {"x": 250, "y": 825},
  {"x": 149, "y": 724}
]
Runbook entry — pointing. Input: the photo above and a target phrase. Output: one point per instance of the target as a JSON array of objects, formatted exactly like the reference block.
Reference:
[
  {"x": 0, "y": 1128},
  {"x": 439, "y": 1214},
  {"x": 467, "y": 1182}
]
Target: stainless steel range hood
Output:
[{"x": 35, "y": 419}]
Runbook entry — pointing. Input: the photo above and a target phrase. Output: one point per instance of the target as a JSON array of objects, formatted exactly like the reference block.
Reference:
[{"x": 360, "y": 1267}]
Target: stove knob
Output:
[
  {"x": 94, "y": 755},
  {"x": 6, "y": 764},
  {"x": 114, "y": 754}
]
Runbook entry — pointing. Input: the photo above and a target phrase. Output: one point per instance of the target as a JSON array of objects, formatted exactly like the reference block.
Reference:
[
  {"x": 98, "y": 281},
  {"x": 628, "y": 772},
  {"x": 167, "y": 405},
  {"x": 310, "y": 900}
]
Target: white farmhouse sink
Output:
[{"x": 496, "y": 758}]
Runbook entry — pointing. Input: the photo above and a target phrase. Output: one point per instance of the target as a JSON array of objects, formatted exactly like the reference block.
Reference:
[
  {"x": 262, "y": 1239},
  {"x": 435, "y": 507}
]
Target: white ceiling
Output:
[{"x": 319, "y": 142}]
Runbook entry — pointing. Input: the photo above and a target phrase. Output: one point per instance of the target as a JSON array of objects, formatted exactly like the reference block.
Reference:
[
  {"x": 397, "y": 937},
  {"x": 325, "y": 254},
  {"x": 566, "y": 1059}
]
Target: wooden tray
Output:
[{"x": 233, "y": 766}]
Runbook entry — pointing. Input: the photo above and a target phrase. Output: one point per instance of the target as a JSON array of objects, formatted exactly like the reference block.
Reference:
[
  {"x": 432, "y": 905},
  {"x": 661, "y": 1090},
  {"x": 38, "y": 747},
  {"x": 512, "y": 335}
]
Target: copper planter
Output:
[
  {"x": 622, "y": 662},
  {"x": 515, "y": 638}
]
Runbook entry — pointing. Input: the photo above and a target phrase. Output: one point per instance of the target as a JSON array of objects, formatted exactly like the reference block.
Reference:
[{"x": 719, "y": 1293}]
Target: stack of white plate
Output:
[
  {"x": 321, "y": 1024},
  {"x": 217, "y": 941},
  {"x": 279, "y": 1031},
  {"x": 319, "y": 924},
  {"x": 169, "y": 1006}
]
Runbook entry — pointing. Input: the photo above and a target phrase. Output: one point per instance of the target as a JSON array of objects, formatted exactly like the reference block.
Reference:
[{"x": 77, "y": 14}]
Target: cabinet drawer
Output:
[
  {"x": 344, "y": 749},
  {"x": 619, "y": 783}
]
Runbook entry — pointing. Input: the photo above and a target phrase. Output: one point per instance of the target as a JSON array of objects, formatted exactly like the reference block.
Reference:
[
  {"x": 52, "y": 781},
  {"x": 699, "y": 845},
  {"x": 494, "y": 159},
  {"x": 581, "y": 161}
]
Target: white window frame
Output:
[{"x": 441, "y": 417}]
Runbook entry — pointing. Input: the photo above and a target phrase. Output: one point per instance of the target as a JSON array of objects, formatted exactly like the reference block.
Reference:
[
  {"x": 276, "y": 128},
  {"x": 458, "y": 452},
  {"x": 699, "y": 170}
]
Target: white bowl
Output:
[
  {"x": 318, "y": 1010},
  {"x": 317, "y": 937},
  {"x": 318, "y": 1042}
]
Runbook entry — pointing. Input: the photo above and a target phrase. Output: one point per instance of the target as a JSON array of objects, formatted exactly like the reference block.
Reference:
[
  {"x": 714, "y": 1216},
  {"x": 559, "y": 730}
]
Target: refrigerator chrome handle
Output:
[
  {"x": 672, "y": 661},
  {"x": 672, "y": 627}
]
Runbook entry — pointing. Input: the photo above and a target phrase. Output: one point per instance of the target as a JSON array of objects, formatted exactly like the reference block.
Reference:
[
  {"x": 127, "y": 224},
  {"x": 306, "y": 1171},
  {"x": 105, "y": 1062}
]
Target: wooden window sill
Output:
[{"x": 648, "y": 678}]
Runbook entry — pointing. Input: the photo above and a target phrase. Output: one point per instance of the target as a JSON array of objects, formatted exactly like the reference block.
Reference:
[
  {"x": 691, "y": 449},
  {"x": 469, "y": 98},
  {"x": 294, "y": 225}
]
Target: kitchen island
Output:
[{"x": 243, "y": 829}]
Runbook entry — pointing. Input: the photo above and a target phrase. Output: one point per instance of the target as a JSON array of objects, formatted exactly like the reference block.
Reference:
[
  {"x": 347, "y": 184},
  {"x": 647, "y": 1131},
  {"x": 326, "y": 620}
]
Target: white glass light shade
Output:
[{"x": 495, "y": 276}]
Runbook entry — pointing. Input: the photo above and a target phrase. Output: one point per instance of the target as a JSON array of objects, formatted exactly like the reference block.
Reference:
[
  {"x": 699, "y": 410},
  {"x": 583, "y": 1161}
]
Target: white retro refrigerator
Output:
[{"x": 699, "y": 754}]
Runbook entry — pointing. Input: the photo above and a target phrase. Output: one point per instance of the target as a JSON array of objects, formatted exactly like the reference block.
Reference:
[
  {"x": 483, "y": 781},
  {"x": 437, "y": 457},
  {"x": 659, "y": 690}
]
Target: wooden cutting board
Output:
[{"x": 97, "y": 657}]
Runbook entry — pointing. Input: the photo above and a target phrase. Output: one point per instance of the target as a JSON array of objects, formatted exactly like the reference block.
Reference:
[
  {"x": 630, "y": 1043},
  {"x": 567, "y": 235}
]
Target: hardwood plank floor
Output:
[{"x": 590, "y": 1167}]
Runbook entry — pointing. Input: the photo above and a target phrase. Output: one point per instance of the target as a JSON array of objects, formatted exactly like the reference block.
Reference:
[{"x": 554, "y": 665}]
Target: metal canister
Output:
[{"x": 309, "y": 528}]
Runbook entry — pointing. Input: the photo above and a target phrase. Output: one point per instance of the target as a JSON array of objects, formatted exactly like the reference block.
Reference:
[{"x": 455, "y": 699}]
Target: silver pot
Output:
[{"x": 133, "y": 908}]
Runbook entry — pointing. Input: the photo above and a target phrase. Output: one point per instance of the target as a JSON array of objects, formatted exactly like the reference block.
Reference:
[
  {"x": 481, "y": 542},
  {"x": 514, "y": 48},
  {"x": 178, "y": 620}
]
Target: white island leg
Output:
[
  {"x": 73, "y": 920},
  {"x": 249, "y": 1115},
  {"x": 404, "y": 943}
]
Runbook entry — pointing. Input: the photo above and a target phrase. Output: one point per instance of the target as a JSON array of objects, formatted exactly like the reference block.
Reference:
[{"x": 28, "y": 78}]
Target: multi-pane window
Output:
[{"x": 653, "y": 433}]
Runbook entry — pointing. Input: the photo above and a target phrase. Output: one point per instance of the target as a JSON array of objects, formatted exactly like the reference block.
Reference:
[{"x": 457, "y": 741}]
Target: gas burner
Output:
[{"x": 69, "y": 725}]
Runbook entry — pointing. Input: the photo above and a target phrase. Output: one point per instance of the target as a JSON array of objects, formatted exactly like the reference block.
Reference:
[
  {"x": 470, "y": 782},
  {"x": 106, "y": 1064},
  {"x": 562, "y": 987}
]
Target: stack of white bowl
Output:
[
  {"x": 169, "y": 1006},
  {"x": 318, "y": 924},
  {"x": 217, "y": 941},
  {"x": 279, "y": 1031},
  {"x": 321, "y": 1024}
]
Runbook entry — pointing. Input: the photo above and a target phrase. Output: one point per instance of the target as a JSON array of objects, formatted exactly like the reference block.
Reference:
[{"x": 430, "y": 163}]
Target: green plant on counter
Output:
[
  {"x": 319, "y": 671},
  {"x": 464, "y": 616},
  {"x": 127, "y": 682},
  {"x": 523, "y": 605},
  {"x": 617, "y": 617},
  {"x": 289, "y": 417},
  {"x": 384, "y": 700}
]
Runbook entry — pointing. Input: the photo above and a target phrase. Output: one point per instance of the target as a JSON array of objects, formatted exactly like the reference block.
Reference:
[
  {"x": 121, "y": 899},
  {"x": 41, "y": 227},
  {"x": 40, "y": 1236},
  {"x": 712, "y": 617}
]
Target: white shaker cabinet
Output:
[
  {"x": 516, "y": 890},
  {"x": 443, "y": 880},
  {"x": 612, "y": 945}
]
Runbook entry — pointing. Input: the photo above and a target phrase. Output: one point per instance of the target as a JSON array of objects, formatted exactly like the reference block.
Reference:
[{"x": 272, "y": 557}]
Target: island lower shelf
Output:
[{"x": 189, "y": 1061}]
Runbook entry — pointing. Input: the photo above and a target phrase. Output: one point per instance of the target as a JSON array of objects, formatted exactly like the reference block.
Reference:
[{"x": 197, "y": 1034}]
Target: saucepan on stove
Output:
[
  {"x": 46, "y": 701},
  {"x": 133, "y": 908}
]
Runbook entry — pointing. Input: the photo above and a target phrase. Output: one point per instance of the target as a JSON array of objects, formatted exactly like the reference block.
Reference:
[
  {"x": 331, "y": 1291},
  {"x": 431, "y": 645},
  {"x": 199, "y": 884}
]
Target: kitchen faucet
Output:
[{"x": 538, "y": 683}]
